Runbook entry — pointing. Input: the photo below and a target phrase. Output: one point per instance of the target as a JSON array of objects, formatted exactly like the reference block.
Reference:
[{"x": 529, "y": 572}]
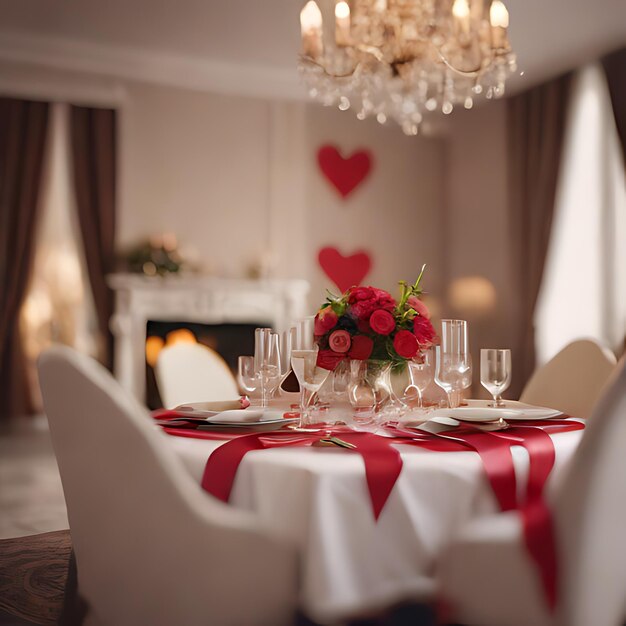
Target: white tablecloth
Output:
[{"x": 318, "y": 498}]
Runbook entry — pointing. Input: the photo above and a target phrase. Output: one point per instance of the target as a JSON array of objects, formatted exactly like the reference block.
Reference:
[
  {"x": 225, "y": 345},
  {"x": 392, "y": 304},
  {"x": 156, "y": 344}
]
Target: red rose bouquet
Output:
[{"x": 367, "y": 323}]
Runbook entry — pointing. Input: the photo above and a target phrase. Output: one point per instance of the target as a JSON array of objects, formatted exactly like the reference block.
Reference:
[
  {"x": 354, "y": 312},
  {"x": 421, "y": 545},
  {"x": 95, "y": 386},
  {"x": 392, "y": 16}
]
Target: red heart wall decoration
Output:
[
  {"x": 344, "y": 271},
  {"x": 344, "y": 174}
]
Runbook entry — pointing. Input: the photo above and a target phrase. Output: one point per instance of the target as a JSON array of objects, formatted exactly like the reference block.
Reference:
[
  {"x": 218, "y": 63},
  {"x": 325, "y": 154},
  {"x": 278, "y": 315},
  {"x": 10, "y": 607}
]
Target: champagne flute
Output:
[
  {"x": 495, "y": 373},
  {"x": 453, "y": 367},
  {"x": 305, "y": 329},
  {"x": 261, "y": 339},
  {"x": 421, "y": 373},
  {"x": 271, "y": 370},
  {"x": 287, "y": 344},
  {"x": 266, "y": 360},
  {"x": 310, "y": 377}
]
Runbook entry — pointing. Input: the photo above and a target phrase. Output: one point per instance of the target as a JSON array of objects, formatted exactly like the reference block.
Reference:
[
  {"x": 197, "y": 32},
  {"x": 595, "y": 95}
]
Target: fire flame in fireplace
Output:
[{"x": 155, "y": 344}]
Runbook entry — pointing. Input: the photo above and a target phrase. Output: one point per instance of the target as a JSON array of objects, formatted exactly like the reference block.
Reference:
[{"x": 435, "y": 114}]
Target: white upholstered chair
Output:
[
  {"x": 573, "y": 380},
  {"x": 151, "y": 547},
  {"x": 486, "y": 575},
  {"x": 191, "y": 372}
]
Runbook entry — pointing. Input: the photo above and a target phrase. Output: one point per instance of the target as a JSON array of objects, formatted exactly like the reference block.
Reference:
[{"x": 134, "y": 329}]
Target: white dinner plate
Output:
[{"x": 479, "y": 411}]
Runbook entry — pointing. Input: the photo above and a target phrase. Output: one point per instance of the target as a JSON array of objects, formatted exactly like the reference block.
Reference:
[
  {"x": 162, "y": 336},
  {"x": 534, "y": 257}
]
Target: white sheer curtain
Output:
[
  {"x": 59, "y": 306},
  {"x": 583, "y": 293}
]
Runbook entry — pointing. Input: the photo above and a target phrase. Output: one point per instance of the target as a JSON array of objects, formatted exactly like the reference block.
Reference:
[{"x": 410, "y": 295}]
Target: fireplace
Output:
[
  {"x": 228, "y": 340},
  {"x": 196, "y": 302}
]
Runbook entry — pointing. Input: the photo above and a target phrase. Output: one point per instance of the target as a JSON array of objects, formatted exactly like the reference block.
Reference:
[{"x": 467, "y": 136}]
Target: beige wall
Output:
[
  {"x": 237, "y": 179},
  {"x": 395, "y": 214},
  {"x": 198, "y": 166},
  {"x": 476, "y": 224}
]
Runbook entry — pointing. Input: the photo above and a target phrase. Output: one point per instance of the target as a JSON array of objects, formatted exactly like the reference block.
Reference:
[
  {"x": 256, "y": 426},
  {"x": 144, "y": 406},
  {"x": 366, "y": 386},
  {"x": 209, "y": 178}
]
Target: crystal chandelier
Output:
[{"x": 398, "y": 59}]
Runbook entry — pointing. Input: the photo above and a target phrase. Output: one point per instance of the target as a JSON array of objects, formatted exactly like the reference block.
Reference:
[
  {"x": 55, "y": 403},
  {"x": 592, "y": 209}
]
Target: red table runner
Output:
[{"x": 383, "y": 465}]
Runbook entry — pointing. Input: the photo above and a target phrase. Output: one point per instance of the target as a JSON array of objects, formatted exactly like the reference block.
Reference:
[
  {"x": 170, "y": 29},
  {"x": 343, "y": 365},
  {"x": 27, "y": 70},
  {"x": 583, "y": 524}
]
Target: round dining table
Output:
[{"x": 353, "y": 563}]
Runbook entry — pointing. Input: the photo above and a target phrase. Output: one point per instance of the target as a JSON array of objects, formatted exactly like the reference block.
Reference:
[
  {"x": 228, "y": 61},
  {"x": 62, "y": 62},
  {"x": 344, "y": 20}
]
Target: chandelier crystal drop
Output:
[{"x": 401, "y": 59}]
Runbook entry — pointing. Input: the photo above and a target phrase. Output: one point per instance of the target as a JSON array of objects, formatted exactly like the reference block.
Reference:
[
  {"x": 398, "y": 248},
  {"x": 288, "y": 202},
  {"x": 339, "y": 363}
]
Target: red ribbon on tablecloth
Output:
[
  {"x": 537, "y": 522},
  {"x": 383, "y": 464}
]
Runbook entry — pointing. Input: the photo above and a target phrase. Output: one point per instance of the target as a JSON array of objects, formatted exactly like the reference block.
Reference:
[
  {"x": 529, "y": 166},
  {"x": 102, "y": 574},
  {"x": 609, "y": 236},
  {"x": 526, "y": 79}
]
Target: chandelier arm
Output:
[
  {"x": 372, "y": 50},
  {"x": 311, "y": 61},
  {"x": 468, "y": 73}
]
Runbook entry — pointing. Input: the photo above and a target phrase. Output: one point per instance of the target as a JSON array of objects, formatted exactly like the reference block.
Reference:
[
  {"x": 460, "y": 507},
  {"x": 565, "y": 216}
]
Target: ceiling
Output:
[{"x": 255, "y": 43}]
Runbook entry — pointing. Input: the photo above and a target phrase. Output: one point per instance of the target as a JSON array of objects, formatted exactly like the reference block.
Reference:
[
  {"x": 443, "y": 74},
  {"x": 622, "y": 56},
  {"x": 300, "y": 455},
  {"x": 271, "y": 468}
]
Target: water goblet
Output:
[
  {"x": 310, "y": 377},
  {"x": 495, "y": 373}
]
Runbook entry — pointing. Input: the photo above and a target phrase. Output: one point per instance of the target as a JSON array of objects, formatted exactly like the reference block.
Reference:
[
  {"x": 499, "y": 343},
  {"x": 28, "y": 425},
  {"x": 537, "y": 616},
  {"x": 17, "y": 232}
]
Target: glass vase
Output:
[{"x": 370, "y": 392}]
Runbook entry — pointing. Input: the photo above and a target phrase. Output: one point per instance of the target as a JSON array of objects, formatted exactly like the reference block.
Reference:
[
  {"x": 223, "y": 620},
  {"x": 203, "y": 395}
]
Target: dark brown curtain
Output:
[
  {"x": 615, "y": 69},
  {"x": 93, "y": 135},
  {"x": 536, "y": 125},
  {"x": 23, "y": 129}
]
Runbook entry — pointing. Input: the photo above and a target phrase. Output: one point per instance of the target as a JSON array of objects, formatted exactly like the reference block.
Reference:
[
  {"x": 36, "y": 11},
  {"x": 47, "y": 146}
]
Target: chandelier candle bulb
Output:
[
  {"x": 461, "y": 12},
  {"x": 499, "y": 19},
  {"x": 311, "y": 30},
  {"x": 342, "y": 23}
]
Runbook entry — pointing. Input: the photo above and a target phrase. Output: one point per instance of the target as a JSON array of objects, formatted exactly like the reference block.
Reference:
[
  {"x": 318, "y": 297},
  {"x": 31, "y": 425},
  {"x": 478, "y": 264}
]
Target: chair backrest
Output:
[
  {"x": 151, "y": 546},
  {"x": 573, "y": 380},
  {"x": 191, "y": 372},
  {"x": 590, "y": 512}
]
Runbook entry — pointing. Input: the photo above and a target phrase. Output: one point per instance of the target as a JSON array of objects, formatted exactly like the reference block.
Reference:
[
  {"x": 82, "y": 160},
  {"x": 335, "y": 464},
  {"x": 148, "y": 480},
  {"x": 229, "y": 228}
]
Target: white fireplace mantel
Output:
[{"x": 193, "y": 298}]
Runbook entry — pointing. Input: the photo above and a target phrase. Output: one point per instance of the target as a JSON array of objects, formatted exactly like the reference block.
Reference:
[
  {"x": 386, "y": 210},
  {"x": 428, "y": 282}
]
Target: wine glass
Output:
[
  {"x": 421, "y": 373},
  {"x": 495, "y": 373},
  {"x": 310, "y": 377}
]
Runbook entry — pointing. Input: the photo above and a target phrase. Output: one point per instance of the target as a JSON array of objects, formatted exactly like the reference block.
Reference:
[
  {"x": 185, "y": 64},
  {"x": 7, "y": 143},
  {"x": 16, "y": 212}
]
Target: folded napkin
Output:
[
  {"x": 200, "y": 411},
  {"x": 215, "y": 406}
]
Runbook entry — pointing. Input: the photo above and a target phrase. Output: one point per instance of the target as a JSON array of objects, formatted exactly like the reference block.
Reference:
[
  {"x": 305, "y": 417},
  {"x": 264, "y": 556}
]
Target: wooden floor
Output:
[{"x": 33, "y": 576}]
